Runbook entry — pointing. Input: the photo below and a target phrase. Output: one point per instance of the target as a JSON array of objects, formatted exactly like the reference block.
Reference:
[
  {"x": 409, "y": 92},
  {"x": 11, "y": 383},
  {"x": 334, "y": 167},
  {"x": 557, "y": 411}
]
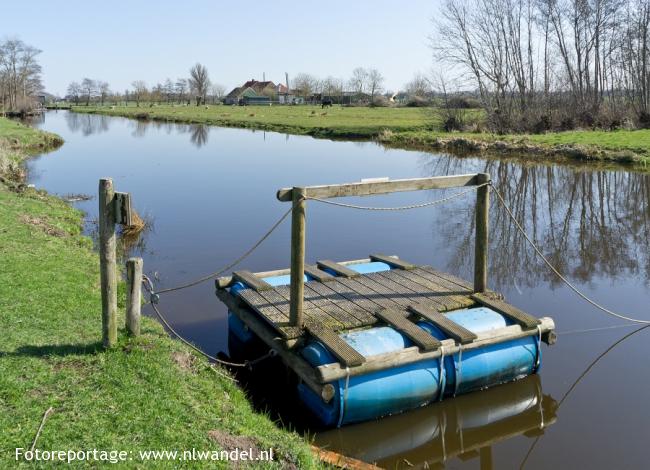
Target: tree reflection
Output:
[
  {"x": 589, "y": 223},
  {"x": 199, "y": 135},
  {"x": 87, "y": 124}
]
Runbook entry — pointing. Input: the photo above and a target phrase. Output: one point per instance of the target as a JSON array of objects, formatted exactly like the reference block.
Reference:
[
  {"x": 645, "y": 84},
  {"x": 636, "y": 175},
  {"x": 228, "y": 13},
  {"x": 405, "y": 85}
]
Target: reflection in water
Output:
[
  {"x": 465, "y": 427},
  {"x": 588, "y": 223},
  {"x": 199, "y": 135},
  {"x": 87, "y": 124}
]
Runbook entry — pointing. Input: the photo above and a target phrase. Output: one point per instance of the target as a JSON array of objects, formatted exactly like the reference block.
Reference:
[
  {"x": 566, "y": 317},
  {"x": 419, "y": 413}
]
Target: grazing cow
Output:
[{"x": 326, "y": 104}]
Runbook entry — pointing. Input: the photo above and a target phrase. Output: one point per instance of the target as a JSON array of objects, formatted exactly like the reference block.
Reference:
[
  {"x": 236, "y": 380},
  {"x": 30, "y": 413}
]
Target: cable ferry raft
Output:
[{"x": 378, "y": 336}]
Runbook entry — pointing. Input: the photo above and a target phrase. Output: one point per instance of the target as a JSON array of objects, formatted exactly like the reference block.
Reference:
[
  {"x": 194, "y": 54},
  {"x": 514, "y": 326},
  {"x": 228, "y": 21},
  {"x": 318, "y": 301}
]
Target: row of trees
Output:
[
  {"x": 541, "y": 64},
  {"x": 363, "y": 81},
  {"x": 20, "y": 75},
  {"x": 197, "y": 87}
]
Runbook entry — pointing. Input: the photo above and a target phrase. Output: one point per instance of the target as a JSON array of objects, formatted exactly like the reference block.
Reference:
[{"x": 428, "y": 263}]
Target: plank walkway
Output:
[{"x": 343, "y": 303}]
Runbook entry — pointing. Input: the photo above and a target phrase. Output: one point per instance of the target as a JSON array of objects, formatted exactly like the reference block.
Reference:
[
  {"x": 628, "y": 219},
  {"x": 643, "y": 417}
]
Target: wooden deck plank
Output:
[
  {"x": 359, "y": 300},
  {"x": 345, "y": 353},
  {"x": 510, "y": 311},
  {"x": 318, "y": 274},
  {"x": 389, "y": 299},
  {"x": 421, "y": 294},
  {"x": 271, "y": 314},
  {"x": 362, "y": 316},
  {"x": 361, "y": 286},
  {"x": 453, "y": 329},
  {"x": 450, "y": 281},
  {"x": 251, "y": 280},
  {"x": 400, "y": 322},
  {"x": 442, "y": 295},
  {"x": 335, "y": 311},
  {"x": 337, "y": 268},
  {"x": 313, "y": 311},
  {"x": 394, "y": 262},
  {"x": 387, "y": 278}
]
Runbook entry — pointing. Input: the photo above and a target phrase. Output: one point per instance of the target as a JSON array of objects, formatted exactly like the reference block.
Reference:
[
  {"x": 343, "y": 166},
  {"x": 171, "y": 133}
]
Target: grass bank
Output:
[
  {"x": 411, "y": 128},
  {"x": 148, "y": 393}
]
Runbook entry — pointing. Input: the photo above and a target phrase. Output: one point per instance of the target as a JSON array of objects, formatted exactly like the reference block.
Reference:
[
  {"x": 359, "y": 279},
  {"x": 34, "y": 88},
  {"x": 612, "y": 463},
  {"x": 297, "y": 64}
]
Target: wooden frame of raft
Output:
[{"x": 351, "y": 363}]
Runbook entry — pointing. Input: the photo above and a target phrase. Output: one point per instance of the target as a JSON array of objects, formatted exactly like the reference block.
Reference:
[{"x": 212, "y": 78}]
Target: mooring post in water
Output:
[
  {"x": 133, "y": 295},
  {"x": 107, "y": 263},
  {"x": 297, "y": 257},
  {"x": 481, "y": 248}
]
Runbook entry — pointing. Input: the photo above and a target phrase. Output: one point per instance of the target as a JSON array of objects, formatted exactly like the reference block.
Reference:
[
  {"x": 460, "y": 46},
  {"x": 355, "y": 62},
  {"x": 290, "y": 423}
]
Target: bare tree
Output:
[
  {"x": 20, "y": 73},
  {"x": 359, "y": 80},
  {"x": 217, "y": 91},
  {"x": 419, "y": 86},
  {"x": 139, "y": 91},
  {"x": 74, "y": 92},
  {"x": 375, "y": 83},
  {"x": 305, "y": 84},
  {"x": 104, "y": 90},
  {"x": 199, "y": 82},
  {"x": 181, "y": 88},
  {"x": 89, "y": 89}
]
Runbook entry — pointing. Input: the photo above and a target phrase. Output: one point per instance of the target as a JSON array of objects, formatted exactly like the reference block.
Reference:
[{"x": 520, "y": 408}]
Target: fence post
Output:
[
  {"x": 297, "y": 257},
  {"x": 107, "y": 263},
  {"x": 481, "y": 247},
  {"x": 133, "y": 295}
]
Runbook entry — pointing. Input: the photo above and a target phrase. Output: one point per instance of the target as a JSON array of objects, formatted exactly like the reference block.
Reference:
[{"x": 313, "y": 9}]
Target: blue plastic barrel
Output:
[{"x": 402, "y": 388}]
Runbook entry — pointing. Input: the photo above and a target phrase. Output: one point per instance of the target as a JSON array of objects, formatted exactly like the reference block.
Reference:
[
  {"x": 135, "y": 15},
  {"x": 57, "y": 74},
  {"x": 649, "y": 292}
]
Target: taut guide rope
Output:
[{"x": 154, "y": 296}]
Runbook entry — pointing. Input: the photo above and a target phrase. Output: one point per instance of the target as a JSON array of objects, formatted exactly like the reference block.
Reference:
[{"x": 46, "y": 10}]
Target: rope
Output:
[
  {"x": 234, "y": 263},
  {"x": 148, "y": 285},
  {"x": 399, "y": 208},
  {"x": 557, "y": 273}
]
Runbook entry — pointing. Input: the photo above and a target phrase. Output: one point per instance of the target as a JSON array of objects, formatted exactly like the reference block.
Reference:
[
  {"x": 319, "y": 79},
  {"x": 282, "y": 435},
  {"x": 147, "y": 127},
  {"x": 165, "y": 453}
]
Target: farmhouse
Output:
[{"x": 255, "y": 92}]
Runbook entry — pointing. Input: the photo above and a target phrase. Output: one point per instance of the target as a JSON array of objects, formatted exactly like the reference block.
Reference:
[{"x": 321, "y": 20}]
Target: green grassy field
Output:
[
  {"x": 403, "y": 127},
  {"x": 336, "y": 121},
  {"x": 148, "y": 393}
]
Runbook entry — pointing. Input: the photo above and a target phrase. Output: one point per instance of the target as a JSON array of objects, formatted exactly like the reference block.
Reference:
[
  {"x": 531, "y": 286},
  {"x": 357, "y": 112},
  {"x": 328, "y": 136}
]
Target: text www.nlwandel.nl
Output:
[{"x": 116, "y": 456}]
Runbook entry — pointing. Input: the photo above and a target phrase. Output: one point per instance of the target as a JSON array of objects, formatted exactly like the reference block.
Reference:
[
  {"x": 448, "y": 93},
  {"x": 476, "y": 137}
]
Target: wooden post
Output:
[
  {"x": 107, "y": 264},
  {"x": 481, "y": 248},
  {"x": 297, "y": 257},
  {"x": 133, "y": 295}
]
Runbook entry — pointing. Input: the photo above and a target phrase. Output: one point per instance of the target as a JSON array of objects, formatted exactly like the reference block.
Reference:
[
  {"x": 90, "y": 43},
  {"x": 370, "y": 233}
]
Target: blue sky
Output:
[{"x": 122, "y": 41}]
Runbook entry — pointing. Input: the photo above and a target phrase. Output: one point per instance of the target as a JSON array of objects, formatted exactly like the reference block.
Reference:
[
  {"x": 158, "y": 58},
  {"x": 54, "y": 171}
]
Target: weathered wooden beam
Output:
[
  {"x": 393, "y": 262},
  {"x": 317, "y": 274},
  {"x": 133, "y": 295},
  {"x": 251, "y": 280},
  {"x": 227, "y": 281},
  {"x": 123, "y": 209},
  {"x": 341, "y": 461},
  {"x": 107, "y": 263},
  {"x": 368, "y": 188},
  {"x": 301, "y": 367},
  {"x": 297, "y": 257},
  {"x": 331, "y": 372},
  {"x": 481, "y": 242},
  {"x": 338, "y": 268}
]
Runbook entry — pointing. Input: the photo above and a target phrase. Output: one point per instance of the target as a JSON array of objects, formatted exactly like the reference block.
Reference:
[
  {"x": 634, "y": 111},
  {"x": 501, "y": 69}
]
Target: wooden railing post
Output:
[
  {"x": 297, "y": 257},
  {"x": 133, "y": 295},
  {"x": 481, "y": 248},
  {"x": 107, "y": 263}
]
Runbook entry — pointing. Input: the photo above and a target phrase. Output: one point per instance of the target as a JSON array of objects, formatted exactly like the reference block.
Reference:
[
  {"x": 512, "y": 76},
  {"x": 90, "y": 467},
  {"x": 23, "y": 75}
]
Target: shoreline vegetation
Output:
[
  {"x": 406, "y": 128},
  {"x": 148, "y": 393}
]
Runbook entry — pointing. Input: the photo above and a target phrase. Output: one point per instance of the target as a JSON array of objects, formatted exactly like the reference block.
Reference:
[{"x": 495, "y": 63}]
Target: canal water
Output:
[{"x": 209, "y": 194}]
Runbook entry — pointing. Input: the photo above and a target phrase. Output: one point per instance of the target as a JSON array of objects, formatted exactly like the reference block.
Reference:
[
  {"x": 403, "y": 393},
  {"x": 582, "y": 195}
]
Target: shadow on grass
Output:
[{"x": 59, "y": 350}]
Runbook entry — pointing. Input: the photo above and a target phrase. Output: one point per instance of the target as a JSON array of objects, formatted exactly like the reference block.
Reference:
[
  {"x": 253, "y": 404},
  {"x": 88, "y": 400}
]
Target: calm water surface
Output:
[{"x": 210, "y": 193}]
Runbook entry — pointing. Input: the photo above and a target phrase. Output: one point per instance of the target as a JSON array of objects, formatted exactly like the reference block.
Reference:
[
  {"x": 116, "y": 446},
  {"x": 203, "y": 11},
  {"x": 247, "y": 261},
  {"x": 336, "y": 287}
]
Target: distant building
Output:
[{"x": 265, "y": 92}]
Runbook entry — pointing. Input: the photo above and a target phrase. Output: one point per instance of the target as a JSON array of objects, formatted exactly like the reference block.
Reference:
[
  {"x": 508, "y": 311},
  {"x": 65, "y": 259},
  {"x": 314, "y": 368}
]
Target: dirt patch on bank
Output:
[{"x": 43, "y": 225}]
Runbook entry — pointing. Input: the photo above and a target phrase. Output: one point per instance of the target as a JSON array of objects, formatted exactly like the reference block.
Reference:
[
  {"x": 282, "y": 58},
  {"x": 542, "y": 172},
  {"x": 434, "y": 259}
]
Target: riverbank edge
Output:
[
  {"x": 460, "y": 144},
  {"x": 148, "y": 393}
]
